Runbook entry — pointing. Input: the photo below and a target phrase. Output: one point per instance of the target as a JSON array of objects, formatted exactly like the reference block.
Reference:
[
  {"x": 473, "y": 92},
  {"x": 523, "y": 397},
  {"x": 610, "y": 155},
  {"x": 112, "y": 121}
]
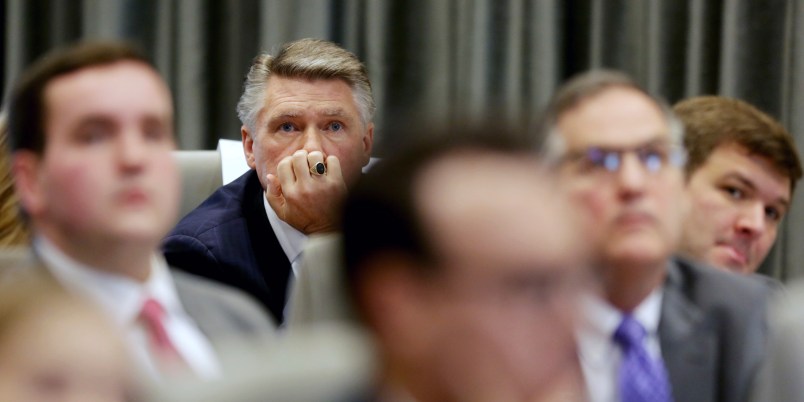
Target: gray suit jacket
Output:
[
  {"x": 712, "y": 329},
  {"x": 319, "y": 363},
  {"x": 221, "y": 312},
  {"x": 318, "y": 293},
  {"x": 712, "y": 332}
]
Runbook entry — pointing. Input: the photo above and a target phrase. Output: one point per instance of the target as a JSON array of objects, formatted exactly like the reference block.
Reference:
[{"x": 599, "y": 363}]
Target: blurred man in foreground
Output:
[{"x": 464, "y": 261}]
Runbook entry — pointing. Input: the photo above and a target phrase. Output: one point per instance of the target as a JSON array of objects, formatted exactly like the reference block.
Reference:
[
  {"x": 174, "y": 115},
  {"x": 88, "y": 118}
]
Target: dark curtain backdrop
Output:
[{"x": 448, "y": 58}]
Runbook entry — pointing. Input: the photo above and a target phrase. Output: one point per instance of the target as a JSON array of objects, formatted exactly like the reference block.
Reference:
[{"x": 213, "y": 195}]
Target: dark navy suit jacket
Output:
[{"x": 229, "y": 239}]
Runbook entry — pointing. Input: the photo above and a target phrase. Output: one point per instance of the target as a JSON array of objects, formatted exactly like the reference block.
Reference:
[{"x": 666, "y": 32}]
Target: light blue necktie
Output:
[{"x": 641, "y": 378}]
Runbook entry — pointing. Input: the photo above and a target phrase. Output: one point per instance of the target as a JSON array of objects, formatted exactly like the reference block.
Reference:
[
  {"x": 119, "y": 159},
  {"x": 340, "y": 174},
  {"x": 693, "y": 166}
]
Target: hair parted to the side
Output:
[
  {"x": 27, "y": 108},
  {"x": 588, "y": 85},
  {"x": 712, "y": 121},
  {"x": 310, "y": 59}
]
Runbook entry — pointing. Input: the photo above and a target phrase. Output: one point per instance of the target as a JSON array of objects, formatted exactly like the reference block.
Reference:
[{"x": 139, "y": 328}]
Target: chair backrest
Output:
[
  {"x": 203, "y": 172},
  {"x": 200, "y": 177}
]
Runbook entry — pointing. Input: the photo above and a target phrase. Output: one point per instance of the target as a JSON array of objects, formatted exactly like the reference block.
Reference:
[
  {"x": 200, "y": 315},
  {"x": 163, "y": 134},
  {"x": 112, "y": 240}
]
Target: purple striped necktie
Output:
[{"x": 641, "y": 377}]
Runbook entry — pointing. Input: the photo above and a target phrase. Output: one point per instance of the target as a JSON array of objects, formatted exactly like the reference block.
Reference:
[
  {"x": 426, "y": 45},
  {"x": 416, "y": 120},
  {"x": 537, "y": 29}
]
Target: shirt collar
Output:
[
  {"x": 291, "y": 239},
  {"x": 120, "y": 296},
  {"x": 600, "y": 320}
]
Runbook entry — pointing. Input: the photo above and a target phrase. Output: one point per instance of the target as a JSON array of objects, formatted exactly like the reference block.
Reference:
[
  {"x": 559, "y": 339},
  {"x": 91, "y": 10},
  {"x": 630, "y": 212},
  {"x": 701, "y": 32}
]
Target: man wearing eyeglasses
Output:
[{"x": 661, "y": 328}]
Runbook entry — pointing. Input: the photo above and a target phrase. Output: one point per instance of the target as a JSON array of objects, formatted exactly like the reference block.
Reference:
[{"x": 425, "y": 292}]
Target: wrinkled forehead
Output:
[{"x": 278, "y": 88}]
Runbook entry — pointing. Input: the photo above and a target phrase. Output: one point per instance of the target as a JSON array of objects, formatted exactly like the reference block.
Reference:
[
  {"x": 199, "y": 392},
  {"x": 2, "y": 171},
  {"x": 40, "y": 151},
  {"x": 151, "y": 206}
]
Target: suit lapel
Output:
[
  {"x": 688, "y": 341},
  {"x": 190, "y": 302}
]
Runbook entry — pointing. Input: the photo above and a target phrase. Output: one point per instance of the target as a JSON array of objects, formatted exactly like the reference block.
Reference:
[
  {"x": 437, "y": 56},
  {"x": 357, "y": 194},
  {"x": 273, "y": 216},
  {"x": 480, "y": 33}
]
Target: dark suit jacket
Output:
[
  {"x": 229, "y": 239},
  {"x": 712, "y": 332}
]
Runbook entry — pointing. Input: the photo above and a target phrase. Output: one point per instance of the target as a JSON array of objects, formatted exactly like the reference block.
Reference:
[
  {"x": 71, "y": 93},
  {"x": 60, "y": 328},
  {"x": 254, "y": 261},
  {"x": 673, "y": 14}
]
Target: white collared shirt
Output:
[
  {"x": 291, "y": 239},
  {"x": 122, "y": 298},
  {"x": 600, "y": 356}
]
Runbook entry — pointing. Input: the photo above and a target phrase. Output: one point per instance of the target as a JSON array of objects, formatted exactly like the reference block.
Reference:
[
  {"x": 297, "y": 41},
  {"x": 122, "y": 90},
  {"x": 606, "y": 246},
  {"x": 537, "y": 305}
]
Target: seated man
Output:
[
  {"x": 91, "y": 128},
  {"x": 661, "y": 328},
  {"x": 740, "y": 175},
  {"x": 464, "y": 262},
  {"x": 307, "y": 132}
]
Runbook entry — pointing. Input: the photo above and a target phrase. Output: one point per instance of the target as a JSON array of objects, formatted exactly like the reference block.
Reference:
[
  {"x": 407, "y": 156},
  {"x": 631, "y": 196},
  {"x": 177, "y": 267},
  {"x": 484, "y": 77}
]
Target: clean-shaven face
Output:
[
  {"x": 107, "y": 173},
  {"x": 512, "y": 259},
  {"x": 737, "y": 201},
  {"x": 635, "y": 207}
]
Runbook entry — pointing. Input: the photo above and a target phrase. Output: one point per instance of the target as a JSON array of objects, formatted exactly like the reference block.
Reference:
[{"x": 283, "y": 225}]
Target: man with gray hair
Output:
[
  {"x": 661, "y": 328},
  {"x": 307, "y": 132}
]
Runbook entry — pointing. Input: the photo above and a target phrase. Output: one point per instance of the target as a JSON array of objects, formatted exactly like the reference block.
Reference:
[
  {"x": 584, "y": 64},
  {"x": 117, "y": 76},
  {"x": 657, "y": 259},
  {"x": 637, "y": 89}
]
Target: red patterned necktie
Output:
[{"x": 152, "y": 315}]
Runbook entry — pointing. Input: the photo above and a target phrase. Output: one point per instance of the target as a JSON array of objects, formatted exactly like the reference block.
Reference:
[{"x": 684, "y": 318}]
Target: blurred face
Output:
[
  {"x": 737, "y": 201},
  {"x": 63, "y": 354},
  {"x": 300, "y": 114},
  {"x": 107, "y": 174},
  {"x": 501, "y": 308},
  {"x": 621, "y": 166}
]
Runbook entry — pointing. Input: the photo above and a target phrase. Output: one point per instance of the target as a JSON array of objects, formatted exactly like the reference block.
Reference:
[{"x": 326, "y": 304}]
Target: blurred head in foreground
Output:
[
  {"x": 463, "y": 259},
  {"x": 56, "y": 347}
]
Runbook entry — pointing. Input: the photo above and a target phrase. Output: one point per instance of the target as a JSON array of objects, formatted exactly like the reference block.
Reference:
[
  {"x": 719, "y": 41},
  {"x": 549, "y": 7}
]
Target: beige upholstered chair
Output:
[
  {"x": 204, "y": 171},
  {"x": 200, "y": 177}
]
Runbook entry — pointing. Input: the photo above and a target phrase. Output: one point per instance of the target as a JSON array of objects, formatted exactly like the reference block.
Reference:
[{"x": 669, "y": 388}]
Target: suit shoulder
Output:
[
  {"x": 221, "y": 207},
  {"x": 233, "y": 303},
  {"x": 715, "y": 286}
]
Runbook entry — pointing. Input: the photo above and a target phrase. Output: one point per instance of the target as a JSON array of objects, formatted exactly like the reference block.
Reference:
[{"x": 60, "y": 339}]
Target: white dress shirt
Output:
[
  {"x": 291, "y": 239},
  {"x": 599, "y": 354},
  {"x": 122, "y": 298}
]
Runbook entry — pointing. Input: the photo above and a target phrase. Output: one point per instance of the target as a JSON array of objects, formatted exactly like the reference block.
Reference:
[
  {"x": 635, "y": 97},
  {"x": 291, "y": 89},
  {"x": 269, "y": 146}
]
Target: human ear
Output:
[
  {"x": 25, "y": 168},
  {"x": 248, "y": 146}
]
